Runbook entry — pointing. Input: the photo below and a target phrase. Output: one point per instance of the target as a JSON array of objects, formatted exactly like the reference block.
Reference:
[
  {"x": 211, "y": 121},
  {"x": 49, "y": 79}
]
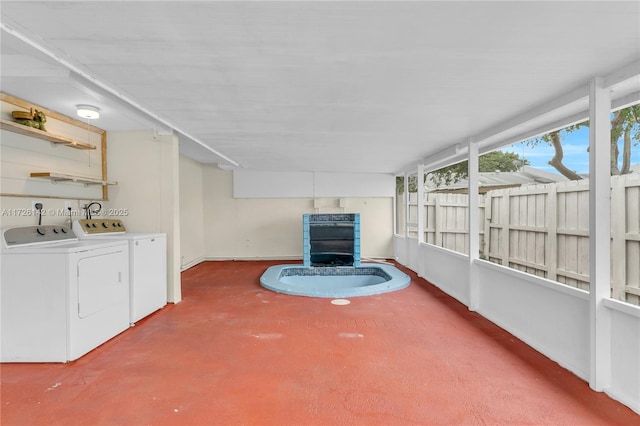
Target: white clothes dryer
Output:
[
  {"x": 147, "y": 262},
  {"x": 60, "y": 297}
]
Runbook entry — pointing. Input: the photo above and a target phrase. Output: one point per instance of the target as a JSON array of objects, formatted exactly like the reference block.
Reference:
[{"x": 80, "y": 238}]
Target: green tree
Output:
[
  {"x": 413, "y": 184},
  {"x": 625, "y": 124},
  {"x": 495, "y": 161}
]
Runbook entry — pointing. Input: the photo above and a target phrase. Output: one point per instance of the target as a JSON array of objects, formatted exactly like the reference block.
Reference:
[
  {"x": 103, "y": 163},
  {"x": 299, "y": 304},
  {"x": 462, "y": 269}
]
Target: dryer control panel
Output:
[{"x": 84, "y": 227}]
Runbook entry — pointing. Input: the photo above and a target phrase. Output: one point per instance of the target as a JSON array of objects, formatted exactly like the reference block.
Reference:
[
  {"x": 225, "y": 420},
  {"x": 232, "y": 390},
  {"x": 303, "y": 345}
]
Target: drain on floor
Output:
[{"x": 340, "y": 302}]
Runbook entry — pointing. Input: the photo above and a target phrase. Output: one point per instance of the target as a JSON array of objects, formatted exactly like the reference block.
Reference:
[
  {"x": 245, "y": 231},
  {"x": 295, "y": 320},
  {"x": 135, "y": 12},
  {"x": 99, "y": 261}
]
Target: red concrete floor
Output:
[{"x": 233, "y": 353}]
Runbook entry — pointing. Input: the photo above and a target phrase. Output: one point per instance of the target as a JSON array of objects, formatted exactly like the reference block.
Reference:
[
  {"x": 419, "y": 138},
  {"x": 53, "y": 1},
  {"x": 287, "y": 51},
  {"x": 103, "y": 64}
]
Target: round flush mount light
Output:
[{"x": 88, "y": 111}]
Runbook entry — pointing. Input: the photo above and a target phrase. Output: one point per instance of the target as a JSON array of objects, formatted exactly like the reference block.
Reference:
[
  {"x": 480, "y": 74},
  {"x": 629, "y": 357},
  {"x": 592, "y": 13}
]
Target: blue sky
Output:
[{"x": 574, "y": 146}]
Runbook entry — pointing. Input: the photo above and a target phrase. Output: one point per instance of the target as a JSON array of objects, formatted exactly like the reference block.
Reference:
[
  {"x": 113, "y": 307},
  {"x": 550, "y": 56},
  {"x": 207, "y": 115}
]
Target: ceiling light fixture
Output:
[{"x": 88, "y": 111}]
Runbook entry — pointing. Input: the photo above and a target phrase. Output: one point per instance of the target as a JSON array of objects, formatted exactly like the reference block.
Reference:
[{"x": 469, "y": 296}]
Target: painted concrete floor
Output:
[{"x": 233, "y": 353}]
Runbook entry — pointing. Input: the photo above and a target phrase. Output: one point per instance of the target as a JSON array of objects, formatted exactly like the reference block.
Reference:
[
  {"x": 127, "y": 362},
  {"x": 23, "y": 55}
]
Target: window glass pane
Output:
[
  {"x": 536, "y": 217},
  {"x": 446, "y": 207},
  {"x": 625, "y": 205},
  {"x": 412, "y": 221},
  {"x": 536, "y": 203},
  {"x": 400, "y": 206}
]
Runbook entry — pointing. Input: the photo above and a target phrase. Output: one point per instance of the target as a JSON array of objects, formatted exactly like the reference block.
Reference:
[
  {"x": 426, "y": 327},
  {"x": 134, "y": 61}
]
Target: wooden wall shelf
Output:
[
  {"x": 59, "y": 177},
  {"x": 45, "y": 136},
  {"x": 65, "y": 131}
]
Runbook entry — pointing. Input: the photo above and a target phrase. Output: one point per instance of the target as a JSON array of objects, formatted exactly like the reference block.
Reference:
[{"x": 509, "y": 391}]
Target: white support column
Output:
[
  {"x": 420, "y": 183},
  {"x": 406, "y": 216},
  {"x": 474, "y": 225},
  {"x": 394, "y": 214},
  {"x": 170, "y": 204},
  {"x": 600, "y": 232}
]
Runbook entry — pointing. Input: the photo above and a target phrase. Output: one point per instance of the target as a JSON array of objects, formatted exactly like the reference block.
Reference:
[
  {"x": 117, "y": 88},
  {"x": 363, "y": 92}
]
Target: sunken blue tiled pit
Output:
[{"x": 331, "y": 263}]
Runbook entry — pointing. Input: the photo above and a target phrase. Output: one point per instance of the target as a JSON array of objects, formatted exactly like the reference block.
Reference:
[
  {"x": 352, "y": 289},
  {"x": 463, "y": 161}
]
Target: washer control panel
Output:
[
  {"x": 31, "y": 235},
  {"x": 98, "y": 226}
]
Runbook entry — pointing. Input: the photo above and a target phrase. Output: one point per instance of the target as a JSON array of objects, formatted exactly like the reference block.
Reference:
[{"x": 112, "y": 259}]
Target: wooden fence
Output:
[{"x": 544, "y": 230}]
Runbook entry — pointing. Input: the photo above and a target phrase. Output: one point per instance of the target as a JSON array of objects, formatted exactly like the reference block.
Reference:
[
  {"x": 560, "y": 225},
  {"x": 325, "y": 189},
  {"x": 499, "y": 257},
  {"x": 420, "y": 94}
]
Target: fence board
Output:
[
  {"x": 544, "y": 230},
  {"x": 618, "y": 222},
  {"x": 503, "y": 249},
  {"x": 551, "y": 240},
  {"x": 632, "y": 239}
]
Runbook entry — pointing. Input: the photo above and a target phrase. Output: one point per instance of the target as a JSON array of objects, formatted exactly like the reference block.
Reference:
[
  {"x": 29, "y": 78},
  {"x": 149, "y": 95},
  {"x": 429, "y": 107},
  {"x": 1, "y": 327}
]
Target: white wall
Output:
[
  {"x": 270, "y": 184},
  {"x": 136, "y": 161},
  {"x": 413, "y": 255},
  {"x": 400, "y": 249},
  {"x": 548, "y": 316},
  {"x": 271, "y": 228},
  {"x": 625, "y": 348},
  {"x": 146, "y": 167},
  {"x": 17, "y": 211},
  {"x": 453, "y": 280},
  {"x": 191, "y": 213}
]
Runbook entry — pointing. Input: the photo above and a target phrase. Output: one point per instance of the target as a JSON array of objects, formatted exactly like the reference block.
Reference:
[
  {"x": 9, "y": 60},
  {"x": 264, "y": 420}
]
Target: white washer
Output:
[
  {"x": 60, "y": 297},
  {"x": 147, "y": 262}
]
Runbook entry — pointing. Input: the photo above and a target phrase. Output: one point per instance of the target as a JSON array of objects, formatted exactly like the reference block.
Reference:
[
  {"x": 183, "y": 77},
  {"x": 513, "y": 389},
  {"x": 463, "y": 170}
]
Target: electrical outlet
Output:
[
  {"x": 33, "y": 204},
  {"x": 67, "y": 204}
]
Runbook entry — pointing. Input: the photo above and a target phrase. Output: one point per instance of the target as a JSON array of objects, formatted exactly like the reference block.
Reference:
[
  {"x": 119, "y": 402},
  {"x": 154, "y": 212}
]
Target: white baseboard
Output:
[
  {"x": 294, "y": 258},
  {"x": 192, "y": 263},
  {"x": 201, "y": 259},
  {"x": 248, "y": 258}
]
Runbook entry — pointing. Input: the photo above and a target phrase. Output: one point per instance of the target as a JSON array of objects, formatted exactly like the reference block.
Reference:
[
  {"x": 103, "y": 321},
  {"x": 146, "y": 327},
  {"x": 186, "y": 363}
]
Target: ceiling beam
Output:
[
  {"x": 85, "y": 78},
  {"x": 501, "y": 135}
]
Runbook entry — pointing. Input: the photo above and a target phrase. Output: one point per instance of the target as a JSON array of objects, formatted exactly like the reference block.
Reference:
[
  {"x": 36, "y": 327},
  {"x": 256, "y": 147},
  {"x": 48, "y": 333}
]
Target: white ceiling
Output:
[{"x": 312, "y": 86}]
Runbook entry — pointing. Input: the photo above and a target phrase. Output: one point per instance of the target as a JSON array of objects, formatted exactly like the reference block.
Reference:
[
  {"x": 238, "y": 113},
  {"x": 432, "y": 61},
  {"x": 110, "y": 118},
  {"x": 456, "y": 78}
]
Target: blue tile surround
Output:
[{"x": 328, "y": 219}]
